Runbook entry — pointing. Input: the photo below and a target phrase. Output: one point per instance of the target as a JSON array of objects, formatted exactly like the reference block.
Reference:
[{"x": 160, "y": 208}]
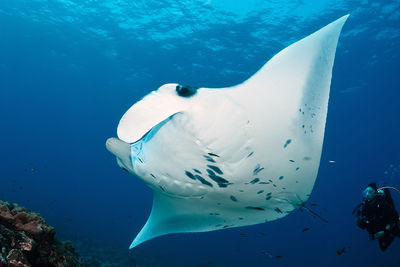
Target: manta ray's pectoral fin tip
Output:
[
  {"x": 144, "y": 235},
  {"x": 134, "y": 244},
  {"x": 342, "y": 19},
  {"x": 155, "y": 225}
]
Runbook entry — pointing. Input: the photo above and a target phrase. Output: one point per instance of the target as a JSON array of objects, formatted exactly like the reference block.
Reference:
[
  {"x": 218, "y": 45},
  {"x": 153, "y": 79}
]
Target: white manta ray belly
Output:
[{"x": 236, "y": 156}]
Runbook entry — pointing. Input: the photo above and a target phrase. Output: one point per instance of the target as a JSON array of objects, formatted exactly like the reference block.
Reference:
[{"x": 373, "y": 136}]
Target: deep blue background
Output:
[{"x": 70, "y": 69}]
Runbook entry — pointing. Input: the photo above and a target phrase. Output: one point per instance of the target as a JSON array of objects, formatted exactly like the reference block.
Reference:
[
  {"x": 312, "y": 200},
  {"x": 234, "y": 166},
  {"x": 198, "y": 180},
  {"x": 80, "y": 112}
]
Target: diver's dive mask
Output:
[{"x": 369, "y": 193}]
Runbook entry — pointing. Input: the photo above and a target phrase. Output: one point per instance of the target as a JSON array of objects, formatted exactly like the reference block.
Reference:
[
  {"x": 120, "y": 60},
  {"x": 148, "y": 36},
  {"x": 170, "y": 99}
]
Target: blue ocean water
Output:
[{"x": 69, "y": 69}]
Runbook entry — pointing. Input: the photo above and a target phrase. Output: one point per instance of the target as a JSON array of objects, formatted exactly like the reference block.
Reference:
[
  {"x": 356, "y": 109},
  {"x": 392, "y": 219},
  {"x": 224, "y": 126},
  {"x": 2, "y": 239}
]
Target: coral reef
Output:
[{"x": 26, "y": 240}]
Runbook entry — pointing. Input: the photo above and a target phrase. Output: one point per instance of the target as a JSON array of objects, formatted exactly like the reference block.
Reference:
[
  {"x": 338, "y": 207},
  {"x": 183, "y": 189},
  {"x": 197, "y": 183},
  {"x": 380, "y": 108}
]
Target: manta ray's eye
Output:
[{"x": 186, "y": 91}]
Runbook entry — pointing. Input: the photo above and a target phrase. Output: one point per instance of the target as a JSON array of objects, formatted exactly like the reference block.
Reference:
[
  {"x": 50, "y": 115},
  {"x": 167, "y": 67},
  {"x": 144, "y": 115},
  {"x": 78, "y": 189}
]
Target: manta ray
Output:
[{"x": 218, "y": 158}]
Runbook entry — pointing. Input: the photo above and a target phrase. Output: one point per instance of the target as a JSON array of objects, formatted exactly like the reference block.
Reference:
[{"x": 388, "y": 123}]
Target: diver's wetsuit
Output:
[{"x": 379, "y": 214}]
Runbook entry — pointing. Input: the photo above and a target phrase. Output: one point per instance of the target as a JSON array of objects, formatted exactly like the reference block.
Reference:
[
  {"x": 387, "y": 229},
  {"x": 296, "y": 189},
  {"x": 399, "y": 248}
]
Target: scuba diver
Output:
[{"x": 377, "y": 214}]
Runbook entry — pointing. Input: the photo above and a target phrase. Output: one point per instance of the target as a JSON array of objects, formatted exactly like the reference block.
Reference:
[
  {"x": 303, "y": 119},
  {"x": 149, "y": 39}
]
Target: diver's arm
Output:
[
  {"x": 360, "y": 220},
  {"x": 361, "y": 223}
]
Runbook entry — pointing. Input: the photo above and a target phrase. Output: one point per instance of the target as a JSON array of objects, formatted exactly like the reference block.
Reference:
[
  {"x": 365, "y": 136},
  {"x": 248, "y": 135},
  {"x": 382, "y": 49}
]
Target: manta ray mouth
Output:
[{"x": 136, "y": 148}]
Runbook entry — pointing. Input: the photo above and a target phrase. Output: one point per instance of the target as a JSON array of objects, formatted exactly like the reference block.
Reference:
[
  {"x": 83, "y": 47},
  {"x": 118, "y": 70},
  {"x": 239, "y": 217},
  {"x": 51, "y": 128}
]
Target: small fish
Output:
[
  {"x": 233, "y": 198},
  {"x": 305, "y": 229},
  {"x": 267, "y": 253},
  {"x": 332, "y": 161},
  {"x": 287, "y": 142},
  {"x": 208, "y": 158},
  {"x": 278, "y": 210},
  {"x": 254, "y": 208},
  {"x": 341, "y": 251},
  {"x": 278, "y": 257},
  {"x": 256, "y": 180},
  {"x": 257, "y": 169}
]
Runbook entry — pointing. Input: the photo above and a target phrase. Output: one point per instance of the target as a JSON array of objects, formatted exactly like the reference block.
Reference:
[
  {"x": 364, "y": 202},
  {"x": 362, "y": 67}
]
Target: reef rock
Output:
[{"x": 26, "y": 240}]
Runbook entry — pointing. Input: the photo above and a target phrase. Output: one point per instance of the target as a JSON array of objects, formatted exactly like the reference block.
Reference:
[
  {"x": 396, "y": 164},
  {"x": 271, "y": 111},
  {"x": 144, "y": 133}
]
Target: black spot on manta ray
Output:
[
  {"x": 261, "y": 191},
  {"x": 251, "y": 153},
  {"x": 287, "y": 143},
  {"x": 291, "y": 160},
  {"x": 281, "y": 177},
  {"x": 212, "y": 154},
  {"x": 233, "y": 198},
  {"x": 152, "y": 175},
  {"x": 268, "y": 197},
  {"x": 215, "y": 168},
  {"x": 162, "y": 188}
]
